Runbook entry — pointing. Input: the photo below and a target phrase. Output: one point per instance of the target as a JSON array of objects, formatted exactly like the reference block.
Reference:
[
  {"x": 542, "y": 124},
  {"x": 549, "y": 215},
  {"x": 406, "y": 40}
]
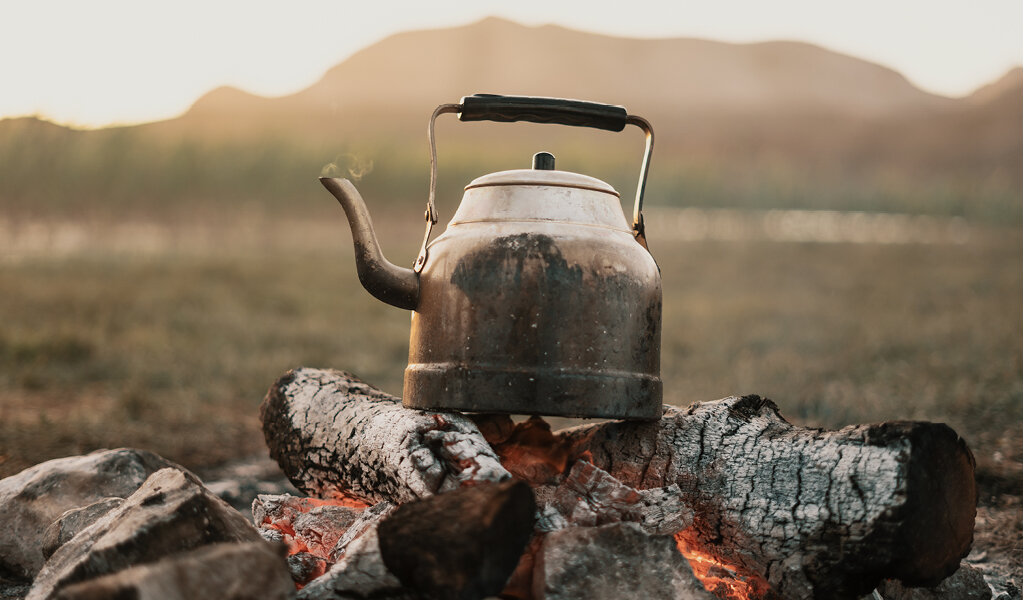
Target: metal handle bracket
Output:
[{"x": 566, "y": 112}]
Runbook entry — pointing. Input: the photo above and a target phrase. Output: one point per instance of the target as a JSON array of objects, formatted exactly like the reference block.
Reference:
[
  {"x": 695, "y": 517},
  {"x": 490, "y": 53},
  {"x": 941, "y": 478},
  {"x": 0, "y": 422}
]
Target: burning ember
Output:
[
  {"x": 529, "y": 450},
  {"x": 720, "y": 579},
  {"x": 310, "y": 527}
]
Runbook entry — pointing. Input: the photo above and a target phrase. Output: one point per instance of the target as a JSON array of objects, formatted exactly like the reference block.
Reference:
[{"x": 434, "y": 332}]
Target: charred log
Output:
[
  {"x": 460, "y": 545},
  {"x": 619, "y": 560},
  {"x": 823, "y": 514},
  {"x": 795, "y": 512},
  {"x": 335, "y": 435}
]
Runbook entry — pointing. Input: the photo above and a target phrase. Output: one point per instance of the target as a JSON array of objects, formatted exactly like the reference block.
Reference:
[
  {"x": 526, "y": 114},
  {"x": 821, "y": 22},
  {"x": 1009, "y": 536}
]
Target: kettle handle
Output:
[
  {"x": 536, "y": 109},
  {"x": 506, "y": 109}
]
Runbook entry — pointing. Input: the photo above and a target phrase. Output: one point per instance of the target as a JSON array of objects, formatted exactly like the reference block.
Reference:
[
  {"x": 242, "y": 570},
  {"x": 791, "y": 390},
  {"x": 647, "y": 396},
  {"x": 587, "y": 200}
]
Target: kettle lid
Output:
[{"x": 542, "y": 174}]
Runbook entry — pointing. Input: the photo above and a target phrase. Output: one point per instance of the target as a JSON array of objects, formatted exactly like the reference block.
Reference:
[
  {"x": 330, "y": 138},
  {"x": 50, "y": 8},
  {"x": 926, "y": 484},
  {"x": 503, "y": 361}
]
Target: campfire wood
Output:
[
  {"x": 795, "y": 512},
  {"x": 459, "y": 546}
]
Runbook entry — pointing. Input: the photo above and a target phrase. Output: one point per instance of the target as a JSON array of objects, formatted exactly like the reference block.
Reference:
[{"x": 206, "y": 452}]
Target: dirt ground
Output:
[{"x": 997, "y": 533}]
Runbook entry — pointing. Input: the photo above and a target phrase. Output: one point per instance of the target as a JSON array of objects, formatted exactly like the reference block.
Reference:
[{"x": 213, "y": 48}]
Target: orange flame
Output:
[{"x": 722, "y": 580}]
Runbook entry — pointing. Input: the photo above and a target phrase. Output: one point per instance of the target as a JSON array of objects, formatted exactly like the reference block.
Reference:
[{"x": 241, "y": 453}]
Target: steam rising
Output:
[{"x": 357, "y": 167}]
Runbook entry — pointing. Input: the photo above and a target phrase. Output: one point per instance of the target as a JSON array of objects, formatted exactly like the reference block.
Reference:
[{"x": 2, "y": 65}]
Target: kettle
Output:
[{"x": 539, "y": 297}]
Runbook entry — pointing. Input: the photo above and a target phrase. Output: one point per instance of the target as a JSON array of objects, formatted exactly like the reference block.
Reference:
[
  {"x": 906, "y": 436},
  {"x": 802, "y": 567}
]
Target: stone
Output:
[
  {"x": 72, "y": 521},
  {"x": 170, "y": 513},
  {"x": 614, "y": 561},
  {"x": 30, "y": 501},
  {"x": 228, "y": 571}
]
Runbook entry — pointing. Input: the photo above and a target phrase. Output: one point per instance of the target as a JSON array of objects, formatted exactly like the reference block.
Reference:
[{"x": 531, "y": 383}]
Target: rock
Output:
[
  {"x": 967, "y": 583},
  {"x": 33, "y": 499},
  {"x": 72, "y": 521},
  {"x": 233, "y": 571},
  {"x": 611, "y": 562},
  {"x": 170, "y": 513}
]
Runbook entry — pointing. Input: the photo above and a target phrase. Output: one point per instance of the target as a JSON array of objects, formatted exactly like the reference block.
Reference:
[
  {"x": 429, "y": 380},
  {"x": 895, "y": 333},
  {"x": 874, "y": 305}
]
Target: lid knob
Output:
[{"x": 544, "y": 161}]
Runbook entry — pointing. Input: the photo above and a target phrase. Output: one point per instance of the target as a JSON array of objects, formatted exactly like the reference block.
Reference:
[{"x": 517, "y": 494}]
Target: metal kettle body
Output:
[{"x": 538, "y": 298}]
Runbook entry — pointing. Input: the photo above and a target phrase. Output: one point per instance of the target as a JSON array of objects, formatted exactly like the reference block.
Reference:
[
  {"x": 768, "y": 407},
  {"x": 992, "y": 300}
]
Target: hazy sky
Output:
[{"x": 101, "y": 61}]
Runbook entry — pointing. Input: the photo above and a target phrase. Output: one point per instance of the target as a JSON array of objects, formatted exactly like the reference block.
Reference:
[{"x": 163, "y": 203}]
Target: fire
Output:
[
  {"x": 723, "y": 580},
  {"x": 531, "y": 452},
  {"x": 312, "y": 546},
  {"x": 338, "y": 498},
  {"x": 296, "y": 543}
]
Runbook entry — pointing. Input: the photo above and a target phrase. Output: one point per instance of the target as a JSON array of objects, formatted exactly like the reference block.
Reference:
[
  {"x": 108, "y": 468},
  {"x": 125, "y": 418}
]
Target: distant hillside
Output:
[
  {"x": 1008, "y": 85},
  {"x": 404, "y": 76},
  {"x": 790, "y": 104},
  {"x": 767, "y": 124}
]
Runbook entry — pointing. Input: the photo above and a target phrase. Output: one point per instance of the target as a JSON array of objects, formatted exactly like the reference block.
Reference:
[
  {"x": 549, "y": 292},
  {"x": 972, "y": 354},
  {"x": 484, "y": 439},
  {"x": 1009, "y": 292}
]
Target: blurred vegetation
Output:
[
  {"x": 174, "y": 351},
  {"x": 47, "y": 170}
]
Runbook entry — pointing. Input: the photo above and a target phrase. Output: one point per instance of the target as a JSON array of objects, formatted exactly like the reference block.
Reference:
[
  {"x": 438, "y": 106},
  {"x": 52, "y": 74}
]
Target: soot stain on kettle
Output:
[
  {"x": 549, "y": 315},
  {"x": 528, "y": 277}
]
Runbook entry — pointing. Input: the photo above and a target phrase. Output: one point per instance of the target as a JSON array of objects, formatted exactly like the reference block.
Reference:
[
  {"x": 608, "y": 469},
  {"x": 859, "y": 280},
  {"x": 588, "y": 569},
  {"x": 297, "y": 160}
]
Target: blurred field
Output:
[
  {"x": 119, "y": 174},
  {"x": 171, "y": 346}
]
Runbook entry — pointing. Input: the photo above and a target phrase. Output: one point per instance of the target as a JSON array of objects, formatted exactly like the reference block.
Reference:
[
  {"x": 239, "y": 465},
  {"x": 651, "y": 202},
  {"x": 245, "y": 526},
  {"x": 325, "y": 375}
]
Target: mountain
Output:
[
  {"x": 789, "y": 105},
  {"x": 773, "y": 124},
  {"x": 1008, "y": 85},
  {"x": 404, "y": 76}
]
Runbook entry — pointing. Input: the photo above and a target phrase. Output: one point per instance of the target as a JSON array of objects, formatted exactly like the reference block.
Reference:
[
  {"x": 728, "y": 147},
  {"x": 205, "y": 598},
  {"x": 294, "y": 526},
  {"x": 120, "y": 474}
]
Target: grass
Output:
[
  {"x": 173, "y": 351},
  {"x": 45, "y": 170}
]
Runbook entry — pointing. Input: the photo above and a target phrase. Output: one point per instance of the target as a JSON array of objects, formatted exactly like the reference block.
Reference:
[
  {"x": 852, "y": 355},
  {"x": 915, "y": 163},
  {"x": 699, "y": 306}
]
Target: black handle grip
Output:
[{"x": 493, "y": 107}]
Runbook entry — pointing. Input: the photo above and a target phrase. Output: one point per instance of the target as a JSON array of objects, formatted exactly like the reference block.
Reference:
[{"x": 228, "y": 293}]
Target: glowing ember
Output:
[
  {"x": 722, "y": 580},
  {"x": 532, "y": 453},
  {"x": 309, "y": 527},
  {"x": 338, "y": 498}
]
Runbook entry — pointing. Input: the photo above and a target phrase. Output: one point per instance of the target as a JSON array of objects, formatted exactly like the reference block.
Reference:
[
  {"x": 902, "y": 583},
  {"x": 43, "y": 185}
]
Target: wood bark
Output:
[
  {"x": 797, "y": 512},
  {"x": 333, "y": 434},
  {"x": 461, "y": 545},
  {"x": 817, "y": 514}
]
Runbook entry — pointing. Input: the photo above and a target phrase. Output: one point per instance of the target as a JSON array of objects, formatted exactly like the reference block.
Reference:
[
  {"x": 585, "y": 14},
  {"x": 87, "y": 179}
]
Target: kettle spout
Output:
[{"x": 387, "y": 282}]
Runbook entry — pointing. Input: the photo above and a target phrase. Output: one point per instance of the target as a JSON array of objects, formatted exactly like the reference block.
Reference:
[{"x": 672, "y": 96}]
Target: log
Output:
[
  {"x": 335, "y": 435},
  {"x": 792, "y": 512},
  {"x": 460, "y": 545},
  {"x": 814, "y": 513}
]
